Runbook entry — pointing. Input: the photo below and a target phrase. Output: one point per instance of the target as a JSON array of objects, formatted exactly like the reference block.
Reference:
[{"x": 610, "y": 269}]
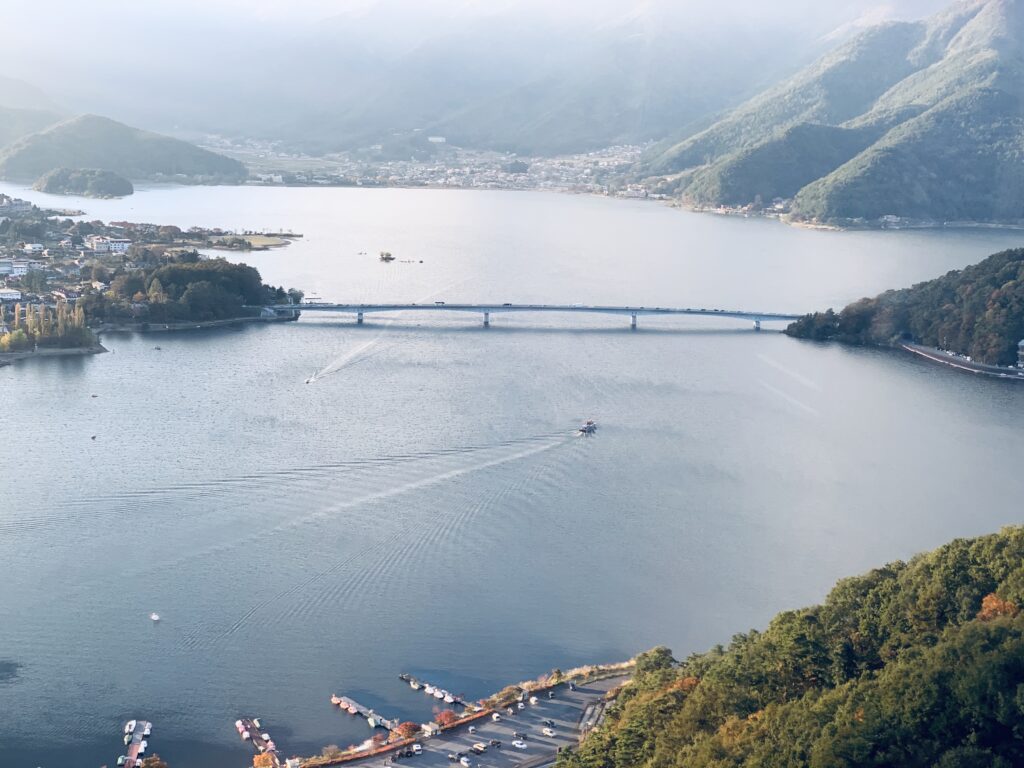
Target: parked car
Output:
[
  {"x": 479, "y": 747},
  {"x": 551, "y": 694},
  {"x": 548, "y": 732},
  {"x": 465, "y": 762},
  {"x": 518, "y": 735},
  {"x": 417, "y": 749},
  {"x": 520, "y": 705},
  {"x": 548, "y": 723},
  {"x": 452, "y": 758},
  {"x": 519, "y": 744},
  {"x": 496, "y": 743},
  {"x": 472, "y": 729},
  {"x": 495, "y": 717}
]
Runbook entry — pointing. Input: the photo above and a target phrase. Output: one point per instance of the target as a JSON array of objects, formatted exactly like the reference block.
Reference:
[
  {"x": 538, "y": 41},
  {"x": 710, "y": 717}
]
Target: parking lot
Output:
[{"x": 565, "y": 710}]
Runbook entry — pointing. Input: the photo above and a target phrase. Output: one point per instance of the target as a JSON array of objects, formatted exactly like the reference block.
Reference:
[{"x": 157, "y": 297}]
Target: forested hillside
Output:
[
  {"x": 977, "y": 311},
  {"x": 90, "y": 141},
  {"x": 912, "y": 664},
  {"x": 920, "y": 120}
]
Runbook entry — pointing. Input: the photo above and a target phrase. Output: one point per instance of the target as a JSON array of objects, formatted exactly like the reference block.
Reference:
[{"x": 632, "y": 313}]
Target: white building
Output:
[
  {"x": 32, "y": 248},
  {"x": 119, "y": 244},
  {"x": 19, "y": 268},
  {"x": 9, "y": 294}
]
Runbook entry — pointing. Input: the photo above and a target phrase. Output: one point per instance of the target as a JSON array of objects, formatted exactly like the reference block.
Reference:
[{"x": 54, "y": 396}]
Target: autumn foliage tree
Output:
[
  {"x": 993, "y": 606},
  {"x": 446, "y": 717},
  {"x": 408, "y": 729}
]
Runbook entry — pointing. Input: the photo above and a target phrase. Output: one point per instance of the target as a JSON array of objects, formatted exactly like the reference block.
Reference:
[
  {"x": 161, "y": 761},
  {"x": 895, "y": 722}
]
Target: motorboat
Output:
[
  {"x": 449, "y": 699},
  {"x": 148, "y": 729},
  {"x": 154, "y": 616},
  {"x": 589, "y": 427},
  {"x": 438, "y": 694},
  {"x": 414, "y": 685},
  {"x": 129, "y": 727},
  {"x": 429, "y": 689},
  {"x": 335, "y": 700}
]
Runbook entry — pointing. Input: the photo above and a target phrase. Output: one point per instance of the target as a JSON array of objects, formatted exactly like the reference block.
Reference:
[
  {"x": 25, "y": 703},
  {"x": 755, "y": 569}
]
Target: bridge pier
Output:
[
  {"x": 359, "y": 318},
  {"x": 632, "y": 320},
  {"x": 487, "y": 319},
  {"x": 757, "y": 325}
]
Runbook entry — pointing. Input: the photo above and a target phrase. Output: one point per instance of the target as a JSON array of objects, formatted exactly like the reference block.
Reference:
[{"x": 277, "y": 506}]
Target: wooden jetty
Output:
[
  {"x": 433, "y": 690},
  {"x": 138, "y": 742},
  {"x": 353, "y": 707},
  {"x": 251, "y": 730}
]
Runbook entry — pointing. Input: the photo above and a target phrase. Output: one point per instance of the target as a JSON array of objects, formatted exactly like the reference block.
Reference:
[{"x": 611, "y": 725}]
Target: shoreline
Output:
[
  {"x": 189, "y": 326},
  {"x": 958, "y": 363},
  {"x": 8, "y": 358}
]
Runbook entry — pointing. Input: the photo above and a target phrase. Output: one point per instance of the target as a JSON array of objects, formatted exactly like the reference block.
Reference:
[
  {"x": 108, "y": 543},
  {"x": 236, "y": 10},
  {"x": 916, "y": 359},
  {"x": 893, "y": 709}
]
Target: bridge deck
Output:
[{"x": 571, "y": 308}]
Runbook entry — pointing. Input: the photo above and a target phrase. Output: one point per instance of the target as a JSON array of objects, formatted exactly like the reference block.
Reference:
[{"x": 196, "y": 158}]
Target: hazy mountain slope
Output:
[
  {"x": 779, "y": 167},
  {"x": 943, "y": 99},
  {"x": 90, "y": 141},
  {"x": 841, "y": 86},
  {"x": 16, "y": 123},
  {"x": 17, "y": 94},
  {"x": 961, "y": 160}
]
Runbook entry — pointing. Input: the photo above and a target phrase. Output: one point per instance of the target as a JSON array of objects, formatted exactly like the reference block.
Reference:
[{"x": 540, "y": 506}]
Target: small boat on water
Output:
[
  {"x": 353, "y": 711},
  {"x": 438, "y": 694},
  {"x": 335, "y": 700},
  {"x": 148, "y": 729},
  {"x": 589, "y": 427},
  {"x": 449, "y": 699},
  {"x": 129, "y": 727},
  {"x": 429, "y": 689},
  {"x": 154, "y": 616},
  {"x": 414, "y": 685}
]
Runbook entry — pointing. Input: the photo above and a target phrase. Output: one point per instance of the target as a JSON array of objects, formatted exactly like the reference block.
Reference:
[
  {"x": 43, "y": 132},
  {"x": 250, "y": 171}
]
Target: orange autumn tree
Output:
[
  {"x": 445, "y": 718},
  {"x": 993, "y": 606},
  {"x": 408, "y": 729}
]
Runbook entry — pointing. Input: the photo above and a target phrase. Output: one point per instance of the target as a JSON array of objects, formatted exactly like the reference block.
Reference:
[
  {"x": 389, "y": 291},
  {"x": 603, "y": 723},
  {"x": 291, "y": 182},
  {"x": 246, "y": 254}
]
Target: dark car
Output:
[
  {"x": 507, "y": 304},
  {"x": 548, "y": 723},
  {"x": 518, "y": 735},
  {"x": 460, "y": 754},
  {"x": 452, "y": 757},
  {"x": 551, "y": 694},
  {"x": 496, "y": 743}
]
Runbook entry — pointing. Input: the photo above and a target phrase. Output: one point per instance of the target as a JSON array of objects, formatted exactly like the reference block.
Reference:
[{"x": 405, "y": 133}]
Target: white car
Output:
[
  {"x": 519, "y": 744},
  {"x": 548, "y": 732},
  {"x": 465, "y": 762},
  {"x": 495, "y": 717},
  {"x": 417, "y": 749}
]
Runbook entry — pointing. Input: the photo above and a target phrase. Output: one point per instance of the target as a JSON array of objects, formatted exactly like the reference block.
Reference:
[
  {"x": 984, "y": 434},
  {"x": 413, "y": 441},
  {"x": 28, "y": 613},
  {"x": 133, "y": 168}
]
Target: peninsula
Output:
[
  {"x": 972, "y": 316},
  {"x": 64, "y": 281}
]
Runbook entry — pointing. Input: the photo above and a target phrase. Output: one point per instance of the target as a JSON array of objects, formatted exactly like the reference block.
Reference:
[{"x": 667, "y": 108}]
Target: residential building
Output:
[{"x": 10, "y": 294}]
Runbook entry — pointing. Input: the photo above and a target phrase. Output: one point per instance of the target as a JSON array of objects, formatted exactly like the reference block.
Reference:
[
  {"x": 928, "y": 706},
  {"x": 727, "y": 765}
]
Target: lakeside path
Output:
[
  {"x": 945, "y": 358},
  {"x": 567, "y": 710}
]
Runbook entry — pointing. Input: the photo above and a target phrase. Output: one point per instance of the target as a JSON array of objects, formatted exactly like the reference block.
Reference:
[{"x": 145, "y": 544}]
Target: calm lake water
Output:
[{"x": 422, "y": 505}]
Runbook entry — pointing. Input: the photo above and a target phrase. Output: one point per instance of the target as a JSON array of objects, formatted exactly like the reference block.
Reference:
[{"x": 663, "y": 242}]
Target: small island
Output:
[{"x": 85, "y": 182}]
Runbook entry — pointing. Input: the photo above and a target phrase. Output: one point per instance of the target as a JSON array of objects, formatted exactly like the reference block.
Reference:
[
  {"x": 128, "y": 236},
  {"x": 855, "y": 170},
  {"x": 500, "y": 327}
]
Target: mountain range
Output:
[{"x": 921, "y": 120}]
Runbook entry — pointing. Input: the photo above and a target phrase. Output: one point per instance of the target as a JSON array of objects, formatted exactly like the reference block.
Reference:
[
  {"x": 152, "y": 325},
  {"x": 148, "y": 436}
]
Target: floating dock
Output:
[
  {"x": 433, "y": 690},
  {"x": 355, "y": 708},
  {"x": 137, "y": 744},
  {"x": 251, "y": 730}
]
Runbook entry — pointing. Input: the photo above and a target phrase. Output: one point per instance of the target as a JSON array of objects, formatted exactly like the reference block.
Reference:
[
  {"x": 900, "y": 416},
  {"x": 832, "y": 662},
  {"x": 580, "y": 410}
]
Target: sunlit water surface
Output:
[{"x": 422, "y": 505}]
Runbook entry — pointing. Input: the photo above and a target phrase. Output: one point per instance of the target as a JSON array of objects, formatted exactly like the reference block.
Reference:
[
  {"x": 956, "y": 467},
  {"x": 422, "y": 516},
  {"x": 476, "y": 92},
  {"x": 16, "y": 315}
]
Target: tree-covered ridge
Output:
[
  {"x": 912, "y": 664},
  {"x": 921, "y": 120},
  {"x": 977, "y": 311},
  {"x": 89, "y": 182}
]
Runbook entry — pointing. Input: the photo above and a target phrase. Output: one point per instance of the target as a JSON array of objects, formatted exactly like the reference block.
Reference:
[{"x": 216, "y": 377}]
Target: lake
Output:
[{"x": 422, "y": 505}]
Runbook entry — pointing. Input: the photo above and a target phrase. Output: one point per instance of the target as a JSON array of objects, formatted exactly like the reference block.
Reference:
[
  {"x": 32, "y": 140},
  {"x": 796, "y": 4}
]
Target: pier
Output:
[
  {"x": 138, "y": 736},
  {"x": 433, "y": 690},
  {"x": 251, "y": 730},
  {"x": 353, "y": 707}
]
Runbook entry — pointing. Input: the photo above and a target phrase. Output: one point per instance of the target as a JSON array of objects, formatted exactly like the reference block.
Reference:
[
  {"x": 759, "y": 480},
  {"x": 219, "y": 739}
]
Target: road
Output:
[{"x": 566, "y": 709}]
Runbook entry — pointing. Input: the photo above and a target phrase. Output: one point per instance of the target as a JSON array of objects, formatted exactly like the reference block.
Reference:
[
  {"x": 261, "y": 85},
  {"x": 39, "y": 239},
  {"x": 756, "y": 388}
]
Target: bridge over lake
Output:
[{"x": 486, "y": 310}]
